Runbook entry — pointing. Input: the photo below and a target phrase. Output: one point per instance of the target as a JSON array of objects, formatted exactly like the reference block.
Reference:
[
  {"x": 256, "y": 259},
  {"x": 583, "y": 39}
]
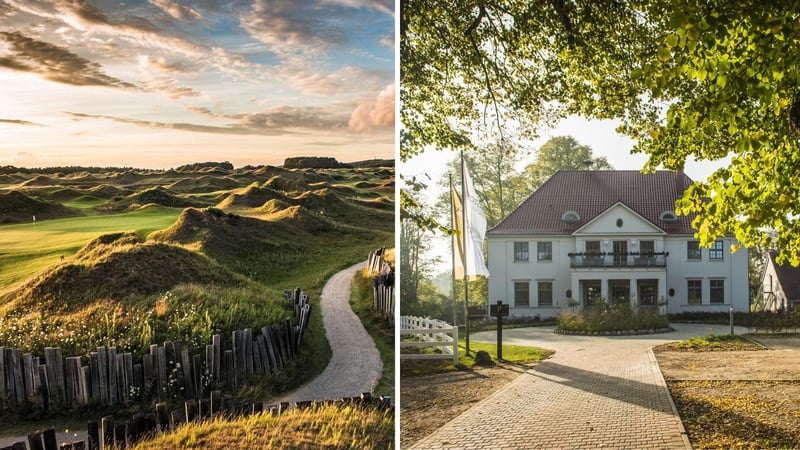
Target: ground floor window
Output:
[
  {"x": 647, "y": 291},
  {"x": 694, "y": 291},
  {"x": 545, "y": 293},
  {"x": 522, "y": 295},
  {"x": 716, "y": 293},
  {"x": 590, "y": 290},
  {"x": 619, "y": 291}
]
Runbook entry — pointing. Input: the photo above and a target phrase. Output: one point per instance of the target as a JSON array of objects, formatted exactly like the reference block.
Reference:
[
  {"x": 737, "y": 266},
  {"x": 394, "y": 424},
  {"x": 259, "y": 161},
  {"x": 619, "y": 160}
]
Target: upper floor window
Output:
[
  {"x": 544, "y": 251},
  {"x": 693, "y": 250},
  {"x": 647, "y": 248},
  {"x": 520, "y": 251},
  {"x": 592, "y": 247},
  {"x": 716, "y": 251},
  {"x": 668, "y": 216},
  {"x": 571, "y": 216}
]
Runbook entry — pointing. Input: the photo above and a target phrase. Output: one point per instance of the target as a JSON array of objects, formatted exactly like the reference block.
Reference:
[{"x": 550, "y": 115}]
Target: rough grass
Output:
[
  {"x": 326, "y": 427},
  {"x": 377, "y": 327},
  {"x": 724, "y": 342}
]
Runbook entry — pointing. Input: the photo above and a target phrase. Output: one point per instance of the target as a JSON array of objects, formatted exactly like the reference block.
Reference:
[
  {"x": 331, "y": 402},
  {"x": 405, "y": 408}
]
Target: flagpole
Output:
[
  {"x": 464, "y": 201},
  {"x": 453, "y": 253}
]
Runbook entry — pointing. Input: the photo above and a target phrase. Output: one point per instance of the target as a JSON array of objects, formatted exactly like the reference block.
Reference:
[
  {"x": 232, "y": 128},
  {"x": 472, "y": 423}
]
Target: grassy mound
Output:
[
  {"x": 157, "y": 195},
  {"x": 251, "y": 196},
  {"x": 16, "y": 207},
  {"x": 204, "y": 183},
  {"x": 116, "y": 266},
  {"x": 241, "y": 243}
]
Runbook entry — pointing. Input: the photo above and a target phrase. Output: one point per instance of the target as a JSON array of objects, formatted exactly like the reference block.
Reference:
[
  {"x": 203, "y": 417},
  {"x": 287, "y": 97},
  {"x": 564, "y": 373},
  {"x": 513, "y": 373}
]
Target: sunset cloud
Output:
[
  {"x": 19, "y": 122},
  {"x": 53, "y": 63},
  {"x": 180, "y": 12},
  {"x": 375, "y": 114}
]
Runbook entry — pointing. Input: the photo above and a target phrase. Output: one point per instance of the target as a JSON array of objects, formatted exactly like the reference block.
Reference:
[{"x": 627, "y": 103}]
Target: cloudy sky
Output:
[{"x": 161, "y": 83}]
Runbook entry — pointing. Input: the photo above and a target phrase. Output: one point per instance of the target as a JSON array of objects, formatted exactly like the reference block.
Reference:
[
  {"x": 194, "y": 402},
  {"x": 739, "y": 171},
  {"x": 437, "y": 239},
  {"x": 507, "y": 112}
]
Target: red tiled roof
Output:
[
  {"x": 592, "y": 192},
  {"x": 788, "y": 277}
]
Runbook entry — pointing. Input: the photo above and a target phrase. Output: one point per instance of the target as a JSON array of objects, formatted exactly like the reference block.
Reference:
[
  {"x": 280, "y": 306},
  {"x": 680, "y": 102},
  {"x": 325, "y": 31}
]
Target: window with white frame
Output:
[
  {"x": 522, "y": 294},
  {"x": 521, "y": 251},
  {"x": 544, "y": 251},
  {"x": 694, "y": 289},
  {"x": 545, "y": 293},
  {"x": 693, "y": 250},
  {"x": 715, "y": 252},
  {"x": 647, "y": 248},
  {"x": 716, "y": 292}
]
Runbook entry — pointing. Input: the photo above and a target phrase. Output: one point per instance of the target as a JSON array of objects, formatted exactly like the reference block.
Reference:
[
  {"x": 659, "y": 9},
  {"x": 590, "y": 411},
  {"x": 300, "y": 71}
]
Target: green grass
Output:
[
  {"x": 380, "y": 330},
  {"x": 515, "y": 354},
  {"x": 27, "y": 249},
  {"x": 711, "y": 343}
]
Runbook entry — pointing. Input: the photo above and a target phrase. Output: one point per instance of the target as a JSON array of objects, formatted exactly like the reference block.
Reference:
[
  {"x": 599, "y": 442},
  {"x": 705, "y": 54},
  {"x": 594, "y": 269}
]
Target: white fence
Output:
[{"x": 429, "y": 333}]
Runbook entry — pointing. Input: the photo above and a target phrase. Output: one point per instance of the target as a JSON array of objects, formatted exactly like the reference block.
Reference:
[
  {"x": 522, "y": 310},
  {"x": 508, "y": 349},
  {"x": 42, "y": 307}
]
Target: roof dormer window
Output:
[
  {"x": 668, "y": 216},
  {"x": 571, "y": 216}
]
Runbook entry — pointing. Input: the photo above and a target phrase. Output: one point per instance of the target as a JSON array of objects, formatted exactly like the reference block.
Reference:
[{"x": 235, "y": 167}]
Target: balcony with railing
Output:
[{"x": 619, "y": 259}]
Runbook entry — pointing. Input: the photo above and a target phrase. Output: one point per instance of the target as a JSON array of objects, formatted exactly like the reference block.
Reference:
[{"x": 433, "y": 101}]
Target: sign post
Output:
[{"x": 499, "y": 310}]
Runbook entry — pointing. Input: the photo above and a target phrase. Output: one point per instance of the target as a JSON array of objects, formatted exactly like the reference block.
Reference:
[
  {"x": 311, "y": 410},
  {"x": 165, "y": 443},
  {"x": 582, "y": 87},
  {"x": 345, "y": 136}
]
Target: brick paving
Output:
[{"x": 594, "y": 392}]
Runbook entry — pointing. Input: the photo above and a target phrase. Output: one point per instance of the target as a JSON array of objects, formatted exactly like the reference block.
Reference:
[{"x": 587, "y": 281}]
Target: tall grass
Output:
[
  {"x": 325, "y": 427},
  {"x": 189, "y": 314}
]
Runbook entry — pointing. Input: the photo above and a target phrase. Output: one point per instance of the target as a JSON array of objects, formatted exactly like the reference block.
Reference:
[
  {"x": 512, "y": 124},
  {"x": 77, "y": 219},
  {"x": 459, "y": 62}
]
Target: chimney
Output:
[{"x": 680, "y": 182}]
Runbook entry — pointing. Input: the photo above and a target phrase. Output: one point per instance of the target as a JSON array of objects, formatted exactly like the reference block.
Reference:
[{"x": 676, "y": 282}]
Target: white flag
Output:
[{"x": 470, "y": 249}]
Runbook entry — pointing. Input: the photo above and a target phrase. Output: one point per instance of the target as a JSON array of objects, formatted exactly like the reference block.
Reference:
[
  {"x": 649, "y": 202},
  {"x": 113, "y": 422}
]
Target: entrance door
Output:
[{"x": 591, "y": 292}]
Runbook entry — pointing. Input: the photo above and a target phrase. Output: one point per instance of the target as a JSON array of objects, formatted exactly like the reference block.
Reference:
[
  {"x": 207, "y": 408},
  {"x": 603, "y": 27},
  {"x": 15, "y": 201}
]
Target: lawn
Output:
[
  {"x": 27, "y": 249},
  {"x": 517, "y": 354}
]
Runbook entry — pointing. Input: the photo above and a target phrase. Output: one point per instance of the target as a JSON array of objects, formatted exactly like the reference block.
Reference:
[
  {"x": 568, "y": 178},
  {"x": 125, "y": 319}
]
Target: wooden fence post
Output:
[
  {"x": 112, "y": 375},
  {"x": 55, "y": 375}
]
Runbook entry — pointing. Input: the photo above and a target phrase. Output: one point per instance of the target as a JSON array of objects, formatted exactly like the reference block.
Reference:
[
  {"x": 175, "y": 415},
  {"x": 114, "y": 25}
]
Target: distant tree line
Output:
[
  {"x": 9, "y": 170},
  {"x": 225, "y": 165},
  {"x": 313, "y": 162}
]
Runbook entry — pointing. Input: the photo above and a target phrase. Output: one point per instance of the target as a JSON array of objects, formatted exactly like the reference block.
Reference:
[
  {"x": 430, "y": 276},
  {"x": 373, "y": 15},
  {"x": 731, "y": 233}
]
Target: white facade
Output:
[{"x": 618, "y": 256}]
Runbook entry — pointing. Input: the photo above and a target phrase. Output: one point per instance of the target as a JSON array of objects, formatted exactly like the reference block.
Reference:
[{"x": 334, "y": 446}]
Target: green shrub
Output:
[{"x": 606, "y": 317}]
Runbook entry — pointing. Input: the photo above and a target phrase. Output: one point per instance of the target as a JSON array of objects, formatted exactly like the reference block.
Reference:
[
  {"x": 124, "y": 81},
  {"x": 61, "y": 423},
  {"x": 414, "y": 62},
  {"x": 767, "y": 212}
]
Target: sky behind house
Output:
[{"x": 160, "y": 83}]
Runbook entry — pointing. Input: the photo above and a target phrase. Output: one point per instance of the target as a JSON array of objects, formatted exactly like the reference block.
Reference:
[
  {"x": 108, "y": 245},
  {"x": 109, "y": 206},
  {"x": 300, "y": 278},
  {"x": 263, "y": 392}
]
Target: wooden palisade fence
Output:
[
  {"x": 110, "y": 432},
  {"x": 382, "y": 284},
  {"x": 167, "y": 372}
]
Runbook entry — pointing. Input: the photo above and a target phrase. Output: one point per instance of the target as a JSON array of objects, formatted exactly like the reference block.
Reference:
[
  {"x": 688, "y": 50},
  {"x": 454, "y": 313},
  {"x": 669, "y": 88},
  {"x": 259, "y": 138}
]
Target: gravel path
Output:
[{"x": 356, "y": 365}]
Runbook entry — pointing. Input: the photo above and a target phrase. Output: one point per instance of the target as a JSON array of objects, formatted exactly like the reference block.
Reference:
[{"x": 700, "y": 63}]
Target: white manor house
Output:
[{"x": 585, "y": 236}]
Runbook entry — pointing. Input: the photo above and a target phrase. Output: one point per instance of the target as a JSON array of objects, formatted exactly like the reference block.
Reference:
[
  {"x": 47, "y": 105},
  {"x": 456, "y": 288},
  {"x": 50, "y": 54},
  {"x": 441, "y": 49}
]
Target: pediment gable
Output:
[{"x": 619, "y": 219}]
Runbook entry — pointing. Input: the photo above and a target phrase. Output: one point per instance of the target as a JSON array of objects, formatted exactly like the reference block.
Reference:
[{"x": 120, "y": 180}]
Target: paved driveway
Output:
[{"x": 594, "y": 392}]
